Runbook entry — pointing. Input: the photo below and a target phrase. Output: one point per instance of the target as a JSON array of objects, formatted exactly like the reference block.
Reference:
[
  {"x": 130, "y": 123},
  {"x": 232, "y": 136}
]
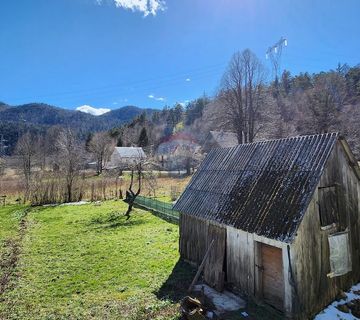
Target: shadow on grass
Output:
[
  {"x": 176, "y": 285},
  {"x": 114, "y": 220}
]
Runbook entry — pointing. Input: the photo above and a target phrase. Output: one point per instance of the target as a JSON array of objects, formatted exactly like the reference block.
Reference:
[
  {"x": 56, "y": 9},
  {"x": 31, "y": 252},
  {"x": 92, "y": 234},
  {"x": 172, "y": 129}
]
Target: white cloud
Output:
[
  {"x": 184, "y": 103},
  {"x": 151, "y": 96},
  {"x": 187, "y": 79},
  {"x": 147, "y": 7},
  {"x": 92, "y": 110}
]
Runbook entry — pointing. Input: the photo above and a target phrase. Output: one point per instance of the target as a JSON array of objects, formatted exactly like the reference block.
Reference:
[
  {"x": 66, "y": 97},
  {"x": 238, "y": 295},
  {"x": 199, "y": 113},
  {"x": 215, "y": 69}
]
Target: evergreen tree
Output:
[
  {"x": 119, "y": 142},
  {"x": 155, "y": 118},
  {"x": 194, "y": 110},
  {"x": 88, "y": 140},
  {"x": 353, "y": 81},
  {"x": 178, "y": 113},
  {"x": 286, "y": 82},
  {"x": 143, "y": 138},
  {"x": 303, "y": 82},
  {"x": 142, "y": 118}
]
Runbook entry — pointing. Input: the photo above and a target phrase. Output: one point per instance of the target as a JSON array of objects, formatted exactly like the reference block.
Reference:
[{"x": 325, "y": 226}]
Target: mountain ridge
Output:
[
  {"x": 42, "y": 113},
  {"x": 37, "y": 117}
]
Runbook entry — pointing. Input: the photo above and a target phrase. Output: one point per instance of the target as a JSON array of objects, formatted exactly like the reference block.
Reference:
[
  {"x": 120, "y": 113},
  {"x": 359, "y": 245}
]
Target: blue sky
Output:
[{"x": 112, "y": 53}]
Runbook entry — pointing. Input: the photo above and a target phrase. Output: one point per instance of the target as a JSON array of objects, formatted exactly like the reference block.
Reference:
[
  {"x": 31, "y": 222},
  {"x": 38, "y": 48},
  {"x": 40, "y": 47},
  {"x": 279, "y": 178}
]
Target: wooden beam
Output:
[{"x": 201, "y": 267}]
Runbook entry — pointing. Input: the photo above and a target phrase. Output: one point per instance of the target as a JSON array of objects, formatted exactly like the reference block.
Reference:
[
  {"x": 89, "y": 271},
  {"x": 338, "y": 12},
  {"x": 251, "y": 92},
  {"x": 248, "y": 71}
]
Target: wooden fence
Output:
[{"x": 163, "y": 209}]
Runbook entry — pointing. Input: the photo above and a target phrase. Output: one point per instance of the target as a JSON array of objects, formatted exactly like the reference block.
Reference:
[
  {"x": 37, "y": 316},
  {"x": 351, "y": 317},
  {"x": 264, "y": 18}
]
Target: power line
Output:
[{"x": 144, "y": 83}]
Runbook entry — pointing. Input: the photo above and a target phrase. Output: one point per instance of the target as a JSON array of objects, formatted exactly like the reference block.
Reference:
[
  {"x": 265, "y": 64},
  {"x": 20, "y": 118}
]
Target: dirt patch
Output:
[
  {"x": 8, "y": 262},
  {"x": 10, "y": 257}
]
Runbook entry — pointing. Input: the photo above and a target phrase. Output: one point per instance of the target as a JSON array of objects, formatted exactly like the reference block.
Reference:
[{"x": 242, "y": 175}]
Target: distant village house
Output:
[
  {"x": 126, "y": 157},
  {"x": 219, "y": 139},
  {"x": 177, "y": 151}
]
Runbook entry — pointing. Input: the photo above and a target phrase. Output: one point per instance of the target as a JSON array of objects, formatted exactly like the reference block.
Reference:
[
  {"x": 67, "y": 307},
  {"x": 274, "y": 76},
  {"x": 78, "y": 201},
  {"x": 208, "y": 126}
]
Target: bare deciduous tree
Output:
[
  {"x": 130, "y": 194},
  {"x": 70, "y": 154},
  {"x": 142, "y": 172},
  {"x": 101, "y": 145},
  {"x": 2, "y": 166},
  {"x": 324, "y": 102},
  {"x": 150, "y": 183},
  {"x": 26, "y": 149},
  {"x": 241, "y": 93},
  {"x": 188, "y": 159}
]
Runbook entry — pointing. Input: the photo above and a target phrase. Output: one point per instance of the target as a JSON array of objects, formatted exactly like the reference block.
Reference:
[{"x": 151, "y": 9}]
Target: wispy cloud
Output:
[
  {"x": 151, "y": 96},
  {"x": 147, "y": 7},
  {"x": 92, "y": 110}
]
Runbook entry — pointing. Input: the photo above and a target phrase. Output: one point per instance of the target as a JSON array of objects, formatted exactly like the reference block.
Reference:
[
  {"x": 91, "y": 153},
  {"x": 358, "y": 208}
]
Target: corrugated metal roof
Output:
[
  {"x": 262, "y": 187},
  {"x": 130, "y": 152}
]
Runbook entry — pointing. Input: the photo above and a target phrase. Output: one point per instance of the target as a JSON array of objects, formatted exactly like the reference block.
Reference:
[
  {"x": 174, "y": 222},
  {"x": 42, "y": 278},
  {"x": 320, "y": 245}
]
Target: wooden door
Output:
[
  {"x": 214, "y": 268},
  {"x": 272, "y": 276}
]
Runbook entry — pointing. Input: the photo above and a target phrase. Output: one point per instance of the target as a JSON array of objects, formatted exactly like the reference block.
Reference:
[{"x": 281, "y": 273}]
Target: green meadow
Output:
[{"x": 89, "y": 262}]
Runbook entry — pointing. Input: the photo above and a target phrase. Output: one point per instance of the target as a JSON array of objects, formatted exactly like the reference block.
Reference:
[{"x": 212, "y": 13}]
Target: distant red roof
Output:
[{"x": 179, "y": 136}]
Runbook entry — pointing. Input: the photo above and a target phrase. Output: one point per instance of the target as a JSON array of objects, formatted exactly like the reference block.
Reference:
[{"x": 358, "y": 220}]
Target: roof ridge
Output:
[{"x": 287, "y": 138}]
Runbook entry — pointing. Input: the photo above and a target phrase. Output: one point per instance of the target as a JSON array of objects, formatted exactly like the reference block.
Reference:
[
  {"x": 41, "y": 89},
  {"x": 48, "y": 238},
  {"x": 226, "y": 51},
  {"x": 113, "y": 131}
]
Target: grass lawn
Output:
[
  {"x": 88, "y": 262},
  {"x": 9, "y": 223}
]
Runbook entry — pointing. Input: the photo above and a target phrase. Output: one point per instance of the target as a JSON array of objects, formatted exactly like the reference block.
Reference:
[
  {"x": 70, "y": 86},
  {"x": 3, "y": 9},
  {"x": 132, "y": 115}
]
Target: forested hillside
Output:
[
  {"x": 291, "y": 105},
  {"x": 253, "y": 108},
  {"x": 38, "y": 118}
]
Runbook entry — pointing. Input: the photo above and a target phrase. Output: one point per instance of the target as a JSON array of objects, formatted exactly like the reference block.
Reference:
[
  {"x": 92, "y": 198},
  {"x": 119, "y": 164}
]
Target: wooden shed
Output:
[{"x": 284, "y": 215}]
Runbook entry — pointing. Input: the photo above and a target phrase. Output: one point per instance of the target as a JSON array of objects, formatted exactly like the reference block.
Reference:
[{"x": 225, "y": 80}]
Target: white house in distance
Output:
[{"x": 125, "y": 157}]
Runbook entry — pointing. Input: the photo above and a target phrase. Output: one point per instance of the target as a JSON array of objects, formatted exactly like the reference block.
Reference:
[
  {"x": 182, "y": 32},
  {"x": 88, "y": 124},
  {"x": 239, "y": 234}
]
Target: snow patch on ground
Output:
[
  {"x": 79, "y": 203},
  {"x": 223, "y": 302},
  {"x": 331, "y": 312}
]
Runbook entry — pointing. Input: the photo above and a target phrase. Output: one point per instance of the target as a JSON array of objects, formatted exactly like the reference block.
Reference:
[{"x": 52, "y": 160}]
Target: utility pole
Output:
[{"x": 274, "y": 54}]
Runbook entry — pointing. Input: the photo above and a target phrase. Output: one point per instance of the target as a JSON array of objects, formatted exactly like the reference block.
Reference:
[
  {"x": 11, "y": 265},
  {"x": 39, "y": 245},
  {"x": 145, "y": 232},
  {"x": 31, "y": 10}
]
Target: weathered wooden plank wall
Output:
[
  {"x": 214, "y": 268},
  {"x": 239, "y": 252},
  {"x": 310, "y": 250},
  {"x": 193, "y": 238},
  {"x": 240, "y": 260}
]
